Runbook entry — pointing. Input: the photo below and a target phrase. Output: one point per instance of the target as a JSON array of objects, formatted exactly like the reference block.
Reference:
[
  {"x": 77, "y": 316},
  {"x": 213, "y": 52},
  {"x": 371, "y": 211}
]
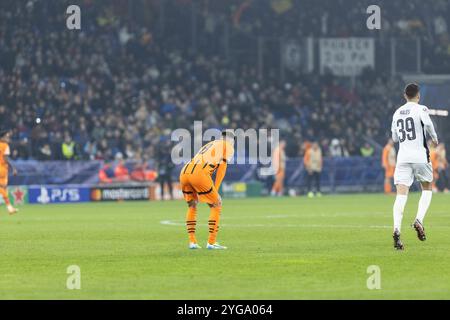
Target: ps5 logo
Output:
[
  {"x": 49, "y": 195},
  {"x": 43, "y": 198}
]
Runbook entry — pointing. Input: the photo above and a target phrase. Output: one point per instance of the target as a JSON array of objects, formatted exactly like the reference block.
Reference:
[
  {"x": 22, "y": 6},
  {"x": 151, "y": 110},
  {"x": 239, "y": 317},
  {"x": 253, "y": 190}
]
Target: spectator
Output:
[
  {"x": 119, "y": 87},
  {"x": 121, "y": 171},
  {"x": 337, "y": 150},
  {"x": 367, "y": 150},
  {"x": 165, "y": 168},
  {"x": 45, "y": 152},
  {"x": 313, "y": 164},
  {"x": 442, "y": 167},
  {"x": 106, "y": 174},
  {"x": 68, "y": 148},
  {"x": 279, "y": 163},
  {"x": 388, "y": 162}
]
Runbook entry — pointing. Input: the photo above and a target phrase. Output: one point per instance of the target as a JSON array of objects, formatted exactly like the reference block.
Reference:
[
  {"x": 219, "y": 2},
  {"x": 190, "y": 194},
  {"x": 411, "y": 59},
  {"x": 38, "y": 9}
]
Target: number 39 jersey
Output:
[{"x": 410, "y": 124}]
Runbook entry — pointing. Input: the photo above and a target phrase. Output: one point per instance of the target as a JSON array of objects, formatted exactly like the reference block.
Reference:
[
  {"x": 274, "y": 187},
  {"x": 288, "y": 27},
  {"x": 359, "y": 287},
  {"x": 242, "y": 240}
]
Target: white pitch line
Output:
[{"x": 173, "y": 223}]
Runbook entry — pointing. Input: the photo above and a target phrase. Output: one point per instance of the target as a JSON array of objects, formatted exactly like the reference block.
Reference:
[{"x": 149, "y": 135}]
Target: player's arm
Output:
[
  {"x": 10, "y": 165},
  {"x": 276, "y": 160},
  {"x": 227, "y": 154},
  {"x": 394, "y": 132},
  {"x": 321, "y": 161},
  {"x": 306, "y": 160},
  {"x": 220, "y": 173},
  {"x": 428, "y": 125},
  {"x": 385, "y": 158},
  {"x": 8, "y": 161}
]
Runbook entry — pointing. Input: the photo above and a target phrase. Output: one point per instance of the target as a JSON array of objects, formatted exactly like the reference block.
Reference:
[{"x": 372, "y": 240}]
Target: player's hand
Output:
[{"x": 14, "y": 172}]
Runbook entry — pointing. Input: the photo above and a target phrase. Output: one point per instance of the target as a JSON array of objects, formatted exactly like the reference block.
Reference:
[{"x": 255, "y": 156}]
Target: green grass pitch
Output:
[{"x": 283, "y": 248}]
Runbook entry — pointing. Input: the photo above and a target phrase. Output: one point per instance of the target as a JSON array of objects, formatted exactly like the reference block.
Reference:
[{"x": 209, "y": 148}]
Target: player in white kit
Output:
[{"x": 410, "y": 125}]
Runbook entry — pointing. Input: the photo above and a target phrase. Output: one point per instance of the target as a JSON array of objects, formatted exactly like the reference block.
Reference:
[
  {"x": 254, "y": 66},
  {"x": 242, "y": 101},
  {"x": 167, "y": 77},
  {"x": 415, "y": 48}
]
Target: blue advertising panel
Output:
[{"x": 58, "y": 194}]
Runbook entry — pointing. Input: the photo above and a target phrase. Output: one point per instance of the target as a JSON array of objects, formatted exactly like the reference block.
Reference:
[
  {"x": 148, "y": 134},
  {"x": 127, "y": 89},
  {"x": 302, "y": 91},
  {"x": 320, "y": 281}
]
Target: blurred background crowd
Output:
[{"x": 139, "y": 69}]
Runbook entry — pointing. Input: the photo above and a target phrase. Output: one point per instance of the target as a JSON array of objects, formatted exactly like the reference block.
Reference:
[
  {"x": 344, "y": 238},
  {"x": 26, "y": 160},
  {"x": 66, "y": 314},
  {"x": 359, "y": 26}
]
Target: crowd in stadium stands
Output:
[{"x": 116, "y": 89}]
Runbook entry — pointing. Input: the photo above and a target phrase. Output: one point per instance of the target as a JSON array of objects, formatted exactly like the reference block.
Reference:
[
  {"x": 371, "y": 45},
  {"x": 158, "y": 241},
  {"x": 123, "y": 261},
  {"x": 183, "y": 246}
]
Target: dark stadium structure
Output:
[{"x": 139, "y": 69}]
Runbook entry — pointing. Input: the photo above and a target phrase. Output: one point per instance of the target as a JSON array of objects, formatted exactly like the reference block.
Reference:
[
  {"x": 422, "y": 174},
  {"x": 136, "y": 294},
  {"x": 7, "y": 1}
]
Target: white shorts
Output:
[{"x": 406, "y": 172}]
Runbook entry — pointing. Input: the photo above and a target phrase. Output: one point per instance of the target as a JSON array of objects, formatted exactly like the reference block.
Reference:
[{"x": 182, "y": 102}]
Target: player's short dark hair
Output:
[
  {"x": 229, "y": 134},
  {"x": 412, "y": 90}
]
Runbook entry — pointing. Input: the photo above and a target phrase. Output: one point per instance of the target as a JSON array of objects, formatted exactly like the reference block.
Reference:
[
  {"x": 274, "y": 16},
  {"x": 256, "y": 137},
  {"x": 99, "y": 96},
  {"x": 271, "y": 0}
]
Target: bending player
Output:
[
  {"x": 411, "y": 123},
  {"x": 5, "y": 164},
  {"x": 197, "y": 185}
]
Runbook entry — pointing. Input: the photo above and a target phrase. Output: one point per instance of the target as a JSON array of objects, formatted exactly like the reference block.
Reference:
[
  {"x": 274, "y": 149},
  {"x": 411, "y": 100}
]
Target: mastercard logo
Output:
[{"x": 96, "y": 195}]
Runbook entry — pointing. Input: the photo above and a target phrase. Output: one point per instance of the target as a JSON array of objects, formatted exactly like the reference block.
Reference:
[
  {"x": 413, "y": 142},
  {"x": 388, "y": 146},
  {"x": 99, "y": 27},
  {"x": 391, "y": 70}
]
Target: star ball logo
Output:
[{"x": 19, "y": 195}]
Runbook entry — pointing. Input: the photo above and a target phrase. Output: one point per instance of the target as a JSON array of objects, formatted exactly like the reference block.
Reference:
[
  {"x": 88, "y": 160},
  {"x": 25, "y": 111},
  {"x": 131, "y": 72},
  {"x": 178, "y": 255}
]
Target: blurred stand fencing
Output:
[{"x": 350, "y": 174}]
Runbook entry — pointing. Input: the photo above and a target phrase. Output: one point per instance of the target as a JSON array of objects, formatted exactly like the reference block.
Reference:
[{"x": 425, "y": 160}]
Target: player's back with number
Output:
[
  {"x": 211, "y": 155},
  {"x": 409, "y": 126}
]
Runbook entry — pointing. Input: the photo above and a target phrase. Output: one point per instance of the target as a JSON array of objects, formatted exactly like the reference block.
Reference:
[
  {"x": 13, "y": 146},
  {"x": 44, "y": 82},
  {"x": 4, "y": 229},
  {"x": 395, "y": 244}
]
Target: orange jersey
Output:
[
  {"x": 388, "y": 158},
  {"x": 4, "y": 151},
  {"x": 279, "y": 159},
  {"x": 441, "y": 156},
  {"x": 196, "y": 176},
  {"x": 209, "y": 157},
  {"x": 434, "y": 159}
]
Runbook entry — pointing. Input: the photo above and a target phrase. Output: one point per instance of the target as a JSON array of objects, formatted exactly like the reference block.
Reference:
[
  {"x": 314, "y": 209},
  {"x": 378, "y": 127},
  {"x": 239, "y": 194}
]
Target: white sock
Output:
[
  {"x": 399, "y": 207},
  {"x": 424, "y": 204}
]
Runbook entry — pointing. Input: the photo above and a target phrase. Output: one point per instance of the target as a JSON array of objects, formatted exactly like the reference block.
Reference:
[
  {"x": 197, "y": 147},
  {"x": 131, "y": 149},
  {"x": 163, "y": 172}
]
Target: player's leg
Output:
[
  {"x": 4, "y": 194},
  {"x": 445, "y": 182},
  {"x": 309, "y": 179},
  {"x": 161, "y": 187},
  {"x": 191, "y": 215},
  {"x": 276, "y": 186},
  {"x": 169, "y": 183},
  {"x": 387, "y": 185},
  {"x": 399, "y": 208},
  {"x": 317, "y": 182},
  {"x": 280, "y": 181},
  {"x": 191, "y": 223},
  {"x": 208, "y": 193},
  {"x": 425, "y": 201},
  {"x": 387, "y": 181},
  {"x": 399, "y": 205},
  {"x": 404, "y": 178},
  {"x": 273, "y": 191},
  {"x": 213, "y": 223},
  {"x": 424, "y": 174}
]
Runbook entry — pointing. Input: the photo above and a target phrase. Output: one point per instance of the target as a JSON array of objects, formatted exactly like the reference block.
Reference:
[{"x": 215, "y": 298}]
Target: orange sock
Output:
[
  {"x": 191, "y": 223},
  {"x": 213, "y": 223},
  {"x": 4, "y": 194}
]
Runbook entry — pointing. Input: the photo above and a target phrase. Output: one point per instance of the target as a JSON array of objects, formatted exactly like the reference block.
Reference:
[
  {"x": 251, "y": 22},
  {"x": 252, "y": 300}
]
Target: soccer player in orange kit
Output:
[
  {"x": 5, "y": 136},
  {"x": 388, "y": 160},
  {"x": 197, "y": 185},
  {"x": 279, "y": 161}
]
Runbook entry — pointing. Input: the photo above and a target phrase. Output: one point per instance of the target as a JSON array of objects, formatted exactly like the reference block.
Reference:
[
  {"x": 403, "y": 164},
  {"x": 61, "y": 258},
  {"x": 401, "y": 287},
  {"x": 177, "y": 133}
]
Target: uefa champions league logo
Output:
[{"x": 257, "y": 153}]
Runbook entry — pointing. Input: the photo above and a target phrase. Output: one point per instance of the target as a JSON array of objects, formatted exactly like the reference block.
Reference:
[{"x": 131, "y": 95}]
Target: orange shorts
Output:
[
  {"x": 199, "y": 187},
  {"x": 389, "y": 172}
]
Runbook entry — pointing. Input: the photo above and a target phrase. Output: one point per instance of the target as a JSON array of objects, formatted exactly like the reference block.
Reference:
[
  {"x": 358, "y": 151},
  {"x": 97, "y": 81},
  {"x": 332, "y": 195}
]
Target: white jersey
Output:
[{"x": 410, "y": 124}]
